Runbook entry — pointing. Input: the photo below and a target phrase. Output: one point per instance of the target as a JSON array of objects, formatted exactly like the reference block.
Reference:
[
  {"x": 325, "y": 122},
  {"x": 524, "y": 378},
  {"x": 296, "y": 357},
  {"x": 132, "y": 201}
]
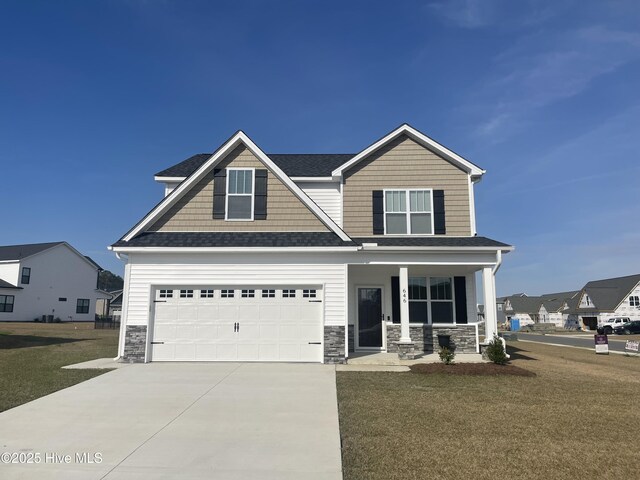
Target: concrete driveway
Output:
[{"x": 183, "y": 421}]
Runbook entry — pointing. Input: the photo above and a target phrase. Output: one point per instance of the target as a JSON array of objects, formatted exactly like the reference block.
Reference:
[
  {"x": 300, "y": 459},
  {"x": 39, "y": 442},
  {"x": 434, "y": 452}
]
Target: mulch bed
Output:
[{"x": 471, "y": 369}]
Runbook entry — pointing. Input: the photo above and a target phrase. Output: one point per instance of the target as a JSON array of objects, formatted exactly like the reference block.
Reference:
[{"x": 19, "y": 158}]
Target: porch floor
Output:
[{"x": 391, "y": 359}]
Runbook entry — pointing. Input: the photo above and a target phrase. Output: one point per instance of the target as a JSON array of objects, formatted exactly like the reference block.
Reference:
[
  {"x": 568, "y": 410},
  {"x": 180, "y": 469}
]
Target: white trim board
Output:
[{"x": 239, "y": 138}]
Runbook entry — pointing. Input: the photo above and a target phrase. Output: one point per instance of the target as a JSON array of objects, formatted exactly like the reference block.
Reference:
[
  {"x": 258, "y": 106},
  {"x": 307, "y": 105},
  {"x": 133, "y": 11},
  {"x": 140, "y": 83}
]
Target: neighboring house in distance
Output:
[
  {"x": 306, "y": 257},
  {"x": 103, "y": 303},
  {"x": 600, "y": 300},
  {"x": 555, "y": 307},
  {"x": 524, "y": 308},
  {"x": 115, "y": 306},
  {"x": 47, "y": 279},
  {"x": 548, "y": 308}
]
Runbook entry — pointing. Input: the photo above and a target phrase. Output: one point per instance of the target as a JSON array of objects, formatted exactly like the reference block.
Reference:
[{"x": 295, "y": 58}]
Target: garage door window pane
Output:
[
  {"x": 248, "y": 293},
  {"x": 268, "y": 293},
  {"x": 226, "y": 293},
  {"x": 166, "y": 294},
  {"x": 288, "y": 293},
  {"x": 186, "y": 293},
  {"x": 206, "y": 293},
  {"x": 308, "y": 293}
]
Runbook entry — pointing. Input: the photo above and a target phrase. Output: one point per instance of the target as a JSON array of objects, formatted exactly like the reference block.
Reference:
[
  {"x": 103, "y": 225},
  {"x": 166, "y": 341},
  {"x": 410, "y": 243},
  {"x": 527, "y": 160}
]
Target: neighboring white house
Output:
[
  {"x": 303, "y": 257},
  {"x": 52, "y": 279},
  {"x": 600, "y": 300}
]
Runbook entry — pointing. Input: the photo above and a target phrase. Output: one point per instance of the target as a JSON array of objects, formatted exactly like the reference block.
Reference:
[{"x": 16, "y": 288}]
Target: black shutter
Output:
[
  {"x": 377, "y": 199},
  {"x": 395, "y": 299},
  {"x": 219, "y": 192},
  {"x": 460, "y": 288},
  {"x": 438, "y": 212},
  {"x": 260, "y": 196}
]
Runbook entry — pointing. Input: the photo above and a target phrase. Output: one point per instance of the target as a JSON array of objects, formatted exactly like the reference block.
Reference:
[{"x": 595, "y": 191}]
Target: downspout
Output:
[{"x": 498, "y": 262}]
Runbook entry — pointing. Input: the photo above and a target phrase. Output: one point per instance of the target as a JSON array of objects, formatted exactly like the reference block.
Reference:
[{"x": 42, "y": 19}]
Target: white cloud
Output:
[{"x": 546, "y": 68}]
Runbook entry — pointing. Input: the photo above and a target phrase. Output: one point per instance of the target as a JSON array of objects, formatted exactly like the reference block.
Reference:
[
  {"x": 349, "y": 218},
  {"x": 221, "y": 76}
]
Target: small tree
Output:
[
  {"x": 446, "y": 355},
  {"x": 495, "y": 351}
]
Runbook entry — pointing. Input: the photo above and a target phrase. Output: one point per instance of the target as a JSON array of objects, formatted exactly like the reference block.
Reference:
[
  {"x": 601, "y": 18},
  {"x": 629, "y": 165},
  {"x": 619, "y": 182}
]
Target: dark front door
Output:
[{"x": 370, "y": 317}]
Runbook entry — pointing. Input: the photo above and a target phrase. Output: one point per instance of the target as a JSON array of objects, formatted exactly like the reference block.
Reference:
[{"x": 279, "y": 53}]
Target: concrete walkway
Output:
[{"x": 183, "y": 421}]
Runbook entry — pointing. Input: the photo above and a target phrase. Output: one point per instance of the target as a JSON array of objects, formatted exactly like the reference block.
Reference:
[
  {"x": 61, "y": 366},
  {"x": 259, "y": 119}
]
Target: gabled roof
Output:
[
  {"x": 553, "y": 302},
  {"x": 293, "y": 164},
  {"x": 237, "y": 139},
  {"x": 525, "y": 304},
  {"x": 4, "y": 284},
  {"x": 18, "y": 252},
  {"x": 607, "y": 294},
  {"x": 422, "y": 139}
]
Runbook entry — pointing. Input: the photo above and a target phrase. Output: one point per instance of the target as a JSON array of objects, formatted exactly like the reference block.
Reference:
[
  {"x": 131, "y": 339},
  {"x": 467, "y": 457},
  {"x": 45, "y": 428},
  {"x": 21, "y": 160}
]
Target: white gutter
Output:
[{"x": 498, "y": 261}]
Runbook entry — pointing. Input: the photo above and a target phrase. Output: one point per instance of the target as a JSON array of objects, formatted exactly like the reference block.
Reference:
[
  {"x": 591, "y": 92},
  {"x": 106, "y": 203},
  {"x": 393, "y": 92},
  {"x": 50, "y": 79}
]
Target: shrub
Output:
[
  {"x": 495, "y": 351},
  {"x": 446, "y": 355}
]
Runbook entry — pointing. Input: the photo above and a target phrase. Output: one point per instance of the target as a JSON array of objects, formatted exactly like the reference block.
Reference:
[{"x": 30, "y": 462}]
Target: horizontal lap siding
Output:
[
  {"x": 144, "y": 276},
  {"x": 194, "y": 211},
  {"x": 403, "y": 163},
  {"x": 326, "y": 196}
]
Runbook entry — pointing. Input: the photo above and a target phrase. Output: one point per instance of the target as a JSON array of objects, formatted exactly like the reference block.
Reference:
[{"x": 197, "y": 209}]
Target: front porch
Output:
[{"x": 402, "y": 313}]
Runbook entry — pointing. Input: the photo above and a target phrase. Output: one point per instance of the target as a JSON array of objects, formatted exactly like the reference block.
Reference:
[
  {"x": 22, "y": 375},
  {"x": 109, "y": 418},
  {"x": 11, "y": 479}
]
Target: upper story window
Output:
[
  {"x": 239, "y": 194},
  {"x": 26, "y": 275},
  {"x": 634, "y": 301},
  {"x": 408, "y": 212}
]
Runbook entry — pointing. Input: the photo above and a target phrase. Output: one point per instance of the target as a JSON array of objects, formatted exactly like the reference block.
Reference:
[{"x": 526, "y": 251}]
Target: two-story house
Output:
[
  {"x": 600, "y": 300},
  {"x": 292, "y": 257},
  {"x": 51, "y": 279}
]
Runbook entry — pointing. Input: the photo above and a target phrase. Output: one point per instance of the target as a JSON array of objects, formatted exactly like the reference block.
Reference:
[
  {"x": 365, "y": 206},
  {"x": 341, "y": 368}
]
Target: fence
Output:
[{"x": 107, "y": 322}]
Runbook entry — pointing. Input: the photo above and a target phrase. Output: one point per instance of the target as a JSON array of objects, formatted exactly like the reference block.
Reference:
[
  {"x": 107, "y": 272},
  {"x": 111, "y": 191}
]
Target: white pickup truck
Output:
[{"x": 611, "y": 323}]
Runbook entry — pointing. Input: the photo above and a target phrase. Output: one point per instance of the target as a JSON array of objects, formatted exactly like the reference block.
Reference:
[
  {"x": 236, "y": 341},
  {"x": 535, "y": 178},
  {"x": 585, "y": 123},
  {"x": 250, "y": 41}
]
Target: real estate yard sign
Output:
[
  {"x": 602, "y": 344},
  {"x": 631, "y": 346}
]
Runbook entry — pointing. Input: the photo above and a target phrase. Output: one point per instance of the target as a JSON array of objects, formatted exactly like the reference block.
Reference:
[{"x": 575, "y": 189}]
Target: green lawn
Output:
[
  {"x": 575, "y": 419},
  {"x": 31, "y": 355}
]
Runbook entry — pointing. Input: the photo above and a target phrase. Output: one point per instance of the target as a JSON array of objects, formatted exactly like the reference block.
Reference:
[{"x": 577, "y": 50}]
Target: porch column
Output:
[
  {"x": 405, "y": 336},
  {"x": 489, "y": 289}
]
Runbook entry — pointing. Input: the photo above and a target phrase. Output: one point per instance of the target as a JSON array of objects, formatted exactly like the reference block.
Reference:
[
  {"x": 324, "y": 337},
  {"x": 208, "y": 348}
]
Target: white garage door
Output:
[{"x": 218, "y": 323}]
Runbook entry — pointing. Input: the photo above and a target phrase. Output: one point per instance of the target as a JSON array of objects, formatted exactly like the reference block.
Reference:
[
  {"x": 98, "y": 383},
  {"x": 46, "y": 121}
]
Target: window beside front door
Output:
[
  {"x": 431, "y": 300},
  {"x": 408, "y": 212},
  {"x": 239, "y": 194}
]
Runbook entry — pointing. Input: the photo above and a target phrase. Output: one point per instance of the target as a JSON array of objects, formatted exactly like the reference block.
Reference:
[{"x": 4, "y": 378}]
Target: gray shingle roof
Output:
[
  {"x": 553, "y": 302},
  {"x": 525, "y": 304},
  {"x": 293, "y": 164},
  {"x": 431, "y": 241},
  {"x": 4, "y": 284},
  {"x": 607, "y": 294},
  {"x": 18, "y": 252},
  {"x": 235, "y": 239}
]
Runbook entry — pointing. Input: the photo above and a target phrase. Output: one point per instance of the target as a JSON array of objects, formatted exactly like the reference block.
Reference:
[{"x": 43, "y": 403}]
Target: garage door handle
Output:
[
  {"x": 315, "y": 301},
  {"x": 315, "y": 343},
  {"x": 157, "y": 343}
]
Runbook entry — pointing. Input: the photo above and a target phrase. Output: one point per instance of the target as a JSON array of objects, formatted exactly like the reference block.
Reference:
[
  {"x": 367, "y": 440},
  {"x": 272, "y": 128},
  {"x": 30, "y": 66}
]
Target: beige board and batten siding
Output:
[
  {"x": 194, "y": 211},
  {"x": 403, "y": 163}
]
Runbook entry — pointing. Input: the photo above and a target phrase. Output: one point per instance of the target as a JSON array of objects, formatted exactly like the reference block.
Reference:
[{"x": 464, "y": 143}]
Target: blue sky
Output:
[{"x": 95, "y": 97}]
